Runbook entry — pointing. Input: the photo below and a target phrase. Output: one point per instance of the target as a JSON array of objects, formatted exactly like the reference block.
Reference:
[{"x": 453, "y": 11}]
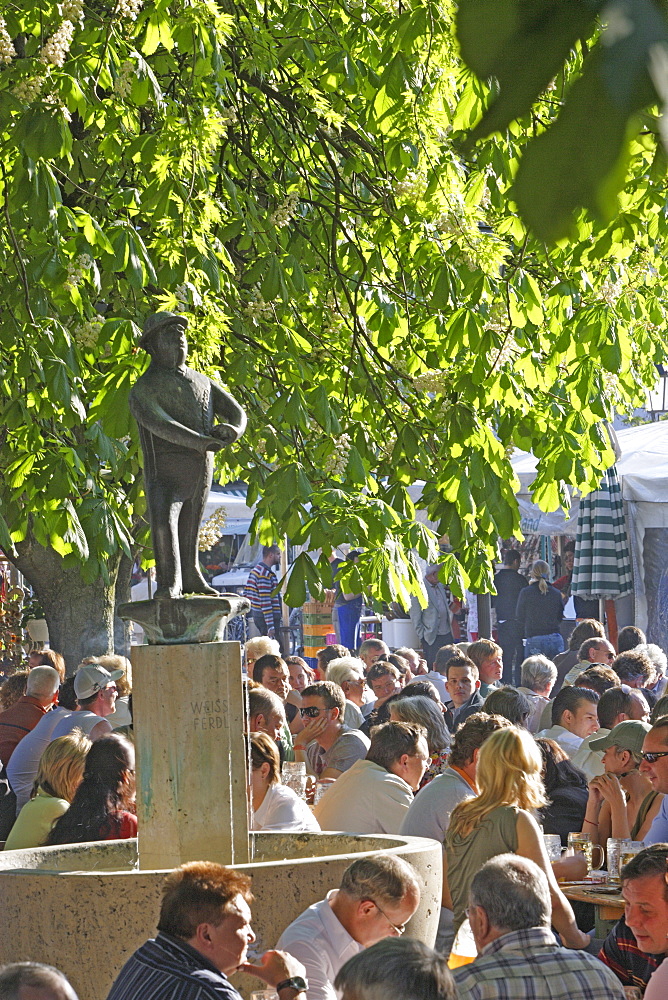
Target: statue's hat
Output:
[{"x": 157, "y": 322}]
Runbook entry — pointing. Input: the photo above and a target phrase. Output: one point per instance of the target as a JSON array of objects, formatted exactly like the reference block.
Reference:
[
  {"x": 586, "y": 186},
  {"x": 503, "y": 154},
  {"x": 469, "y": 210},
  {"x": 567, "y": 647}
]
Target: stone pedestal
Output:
[{"x": 191, "y": 781}]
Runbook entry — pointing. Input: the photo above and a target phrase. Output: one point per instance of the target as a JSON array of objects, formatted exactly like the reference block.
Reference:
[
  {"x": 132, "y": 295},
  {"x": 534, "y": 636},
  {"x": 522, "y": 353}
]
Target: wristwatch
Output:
[{"x": 297, "y": 983}]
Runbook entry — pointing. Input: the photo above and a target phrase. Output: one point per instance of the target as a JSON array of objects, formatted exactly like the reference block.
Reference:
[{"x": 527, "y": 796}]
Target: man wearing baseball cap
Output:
[
  {"x": 621, "y": 800},
  {"x": 95, "y": 689}
]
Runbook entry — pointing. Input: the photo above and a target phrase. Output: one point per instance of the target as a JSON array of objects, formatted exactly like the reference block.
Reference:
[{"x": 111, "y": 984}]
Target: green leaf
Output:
[{"x": 523, "y": 43}]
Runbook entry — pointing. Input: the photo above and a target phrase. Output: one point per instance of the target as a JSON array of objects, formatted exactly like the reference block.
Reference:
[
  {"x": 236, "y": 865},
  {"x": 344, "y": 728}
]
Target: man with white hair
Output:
[
  {"x": 34, "y": 981},
  {"x": 510, "y": 912},
  {"x": 538, "y": 678},
  {"x": 22, "y": 717},
  {"x": 377, "y": 897},
  {"x": 348, "y": 673}
]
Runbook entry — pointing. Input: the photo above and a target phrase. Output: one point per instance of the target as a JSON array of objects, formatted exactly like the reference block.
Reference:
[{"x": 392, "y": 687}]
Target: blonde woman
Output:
[
  {"x": 274, "y": 806},
  {"x": 59, "y": 775},
  {"x": 539, "y": 611},
  {"x": 499, "y": 820}
]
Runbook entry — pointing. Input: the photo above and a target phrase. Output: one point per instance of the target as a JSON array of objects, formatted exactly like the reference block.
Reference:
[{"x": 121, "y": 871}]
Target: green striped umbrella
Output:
[{"x": 602, "y": 566}]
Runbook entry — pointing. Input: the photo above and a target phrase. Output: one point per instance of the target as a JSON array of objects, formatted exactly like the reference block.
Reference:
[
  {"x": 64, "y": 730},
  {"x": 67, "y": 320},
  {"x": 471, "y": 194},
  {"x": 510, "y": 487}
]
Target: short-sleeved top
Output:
[
  {"x": 283, "y": 811},
  {"x": 83, "y": 719},
  {"x": 352, "y": 745},
  {"x": 429, "y": 812},
  {"x": 495, "y": 834},
  {"x": 621, "y": 953}
]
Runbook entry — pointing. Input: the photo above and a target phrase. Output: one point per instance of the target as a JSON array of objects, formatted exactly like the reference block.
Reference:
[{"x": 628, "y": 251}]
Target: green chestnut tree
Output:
[{"x": 296, "y": 179}]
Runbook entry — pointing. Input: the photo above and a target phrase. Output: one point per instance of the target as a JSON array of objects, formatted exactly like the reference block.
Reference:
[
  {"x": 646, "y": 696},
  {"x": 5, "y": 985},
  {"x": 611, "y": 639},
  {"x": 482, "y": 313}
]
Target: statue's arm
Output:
[
  {"x": 148, "y": 413},
  {"x": 233, "y": 416}
]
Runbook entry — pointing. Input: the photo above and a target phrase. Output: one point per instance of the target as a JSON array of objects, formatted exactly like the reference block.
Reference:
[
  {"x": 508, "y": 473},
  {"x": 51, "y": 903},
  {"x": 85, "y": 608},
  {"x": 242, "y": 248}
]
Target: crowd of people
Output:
[{"x": 391, "y": 744}]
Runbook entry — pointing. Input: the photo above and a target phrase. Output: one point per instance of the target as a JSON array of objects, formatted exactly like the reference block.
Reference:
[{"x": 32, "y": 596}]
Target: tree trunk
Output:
[
  {"x": 80, "y": 615},
  {"x": 122, "y": 629}
]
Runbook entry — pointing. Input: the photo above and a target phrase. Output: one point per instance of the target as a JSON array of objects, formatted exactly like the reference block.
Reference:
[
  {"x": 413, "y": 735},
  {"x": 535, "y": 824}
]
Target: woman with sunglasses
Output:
[{"x": 274, "y": 806}]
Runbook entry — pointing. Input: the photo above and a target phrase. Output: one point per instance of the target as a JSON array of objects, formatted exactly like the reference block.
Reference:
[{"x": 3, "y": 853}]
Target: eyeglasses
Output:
[
  {"x": 311, "y": 712},
  {"x": 398, "y": 929},
  {"x": 652, "y": 758}
]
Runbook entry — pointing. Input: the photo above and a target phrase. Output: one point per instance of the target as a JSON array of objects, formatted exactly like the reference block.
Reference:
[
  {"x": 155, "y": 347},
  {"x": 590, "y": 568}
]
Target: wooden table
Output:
[{"x": 608, "y": 907}]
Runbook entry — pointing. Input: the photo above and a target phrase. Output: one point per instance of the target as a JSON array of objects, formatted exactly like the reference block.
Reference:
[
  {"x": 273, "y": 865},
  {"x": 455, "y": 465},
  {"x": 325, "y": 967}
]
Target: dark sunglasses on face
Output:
[
  {"x": 311, "y": 713},
  {"x": 652, "y": 757}
]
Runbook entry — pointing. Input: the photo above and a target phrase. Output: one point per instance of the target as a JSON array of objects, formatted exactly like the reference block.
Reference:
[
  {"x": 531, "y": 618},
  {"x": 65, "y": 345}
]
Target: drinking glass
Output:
[
  {"x": 552, "y": 845},
  {"x": 629, "y": 851},
  {"x": 614, "y": 848},
  {"x": 581, "y": 844},
  {"x": 293, "y": 774}
]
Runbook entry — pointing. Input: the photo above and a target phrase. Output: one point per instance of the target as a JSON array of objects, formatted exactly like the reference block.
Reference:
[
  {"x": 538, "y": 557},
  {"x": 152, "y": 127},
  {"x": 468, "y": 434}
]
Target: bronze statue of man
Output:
[{"x": 175, "y": 408}]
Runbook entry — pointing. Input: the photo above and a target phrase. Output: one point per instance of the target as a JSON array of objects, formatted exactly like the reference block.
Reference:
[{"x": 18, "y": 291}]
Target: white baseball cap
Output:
[{"x": 92, "y": 678}]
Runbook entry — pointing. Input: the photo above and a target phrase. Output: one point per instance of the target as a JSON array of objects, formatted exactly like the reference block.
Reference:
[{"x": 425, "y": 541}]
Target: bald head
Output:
[{"x": 33, "y": 981}]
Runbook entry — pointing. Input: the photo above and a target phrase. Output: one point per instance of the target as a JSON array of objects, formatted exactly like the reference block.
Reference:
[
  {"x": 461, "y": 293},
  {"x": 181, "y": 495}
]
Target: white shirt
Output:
[
  {"x": 322, "y": 944},
  {"x": 282, "y": 810},
  {"x": 567, "y": 740},
  {"x": 365, "y": 799},
  {"x": 588, "y": 760},
  {"x": 23, "y": 764},
  {"x": 352, "y": 715},
  {"x": 438, "y": 680}
]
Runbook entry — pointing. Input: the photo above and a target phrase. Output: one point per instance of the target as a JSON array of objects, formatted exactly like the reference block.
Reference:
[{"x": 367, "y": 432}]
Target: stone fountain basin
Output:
[{"x": 86, "y": 908}]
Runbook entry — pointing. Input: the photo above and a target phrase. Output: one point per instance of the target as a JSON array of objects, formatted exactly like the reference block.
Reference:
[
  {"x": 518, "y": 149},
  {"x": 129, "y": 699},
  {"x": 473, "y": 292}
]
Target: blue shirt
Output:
[
  {"x": 658, "y": 831},
  {"x": 166, "y": 968}
]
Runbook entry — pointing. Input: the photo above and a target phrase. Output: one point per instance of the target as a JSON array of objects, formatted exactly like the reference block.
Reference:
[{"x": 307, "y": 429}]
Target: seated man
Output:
[
  {"x": 617, "y": 704},
  {"x": 22, "y": 717},
  {"x": 203, "y": 933},
  {"x": 538, "y": 675},
  {"x": 372, "y": 650},
  {"x": 573, "y": 718},
  {"x": 378, "y": 895},
  {"x": 373, "y": 796},
  {"x": 95, "y": 689},
  {"x": 638, "y": 943},
  {"x": 510, "y": 912},
  {"x": 462, "y": 686},
  {"x": 272, "y": 673},
  {"x": 594, "y": 650},
  {"x": 488, "y": 658},
  {"x": 633, "y": 668},
  {"x": 326, "y": 745},
  {"x": 348, "y": 673},
  {"x": 266, "y": 714},
  {"x": 396, "y": 969}
]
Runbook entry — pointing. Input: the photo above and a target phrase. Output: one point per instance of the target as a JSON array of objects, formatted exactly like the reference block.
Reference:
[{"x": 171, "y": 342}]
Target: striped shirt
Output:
[
  {"x": 621, "y": 953},
  {"x": 259, "y": 586},
  {"x": 530, "y": 965},
  {"x": 166, "y": 968}
]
